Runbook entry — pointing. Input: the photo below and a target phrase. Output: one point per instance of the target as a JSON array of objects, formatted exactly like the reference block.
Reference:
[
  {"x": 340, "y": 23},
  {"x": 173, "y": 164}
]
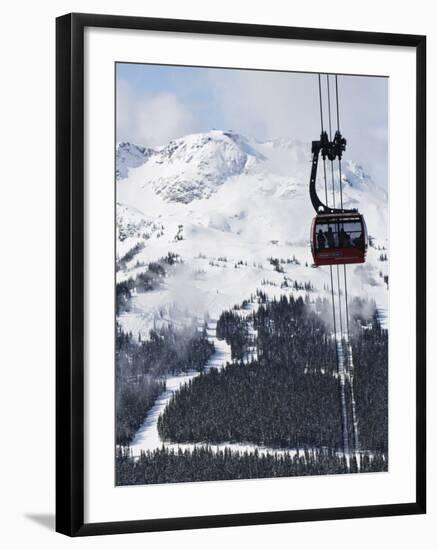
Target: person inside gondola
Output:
[
  {"x": 321, "y": 241},
  {"x": 330, "y": 238},
  {"x": 344, "y": 238}
]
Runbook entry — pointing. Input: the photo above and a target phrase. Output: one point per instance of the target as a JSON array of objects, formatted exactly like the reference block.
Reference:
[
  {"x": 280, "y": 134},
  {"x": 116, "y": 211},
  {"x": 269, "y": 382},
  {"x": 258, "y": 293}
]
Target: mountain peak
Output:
[{"x": 194, "y": 166}]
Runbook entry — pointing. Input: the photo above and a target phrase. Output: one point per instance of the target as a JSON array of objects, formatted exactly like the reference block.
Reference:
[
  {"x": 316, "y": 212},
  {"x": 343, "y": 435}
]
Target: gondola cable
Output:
[
  {"x": 326, "y": 198},
  {"x": 338, "y": 130},
  {"x": 321, "y": 124},
  {"x": 330, "y": 139},
  {"x": 341, "y": 203},
  {"x": 350, "y": 363},
  {"x": 333, "y": 198},
  {"x": 338, "y": 343}
]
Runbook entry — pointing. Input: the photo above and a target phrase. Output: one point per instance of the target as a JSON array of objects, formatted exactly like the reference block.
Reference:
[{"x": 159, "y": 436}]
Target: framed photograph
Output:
[{"x": 240, "y": 274}]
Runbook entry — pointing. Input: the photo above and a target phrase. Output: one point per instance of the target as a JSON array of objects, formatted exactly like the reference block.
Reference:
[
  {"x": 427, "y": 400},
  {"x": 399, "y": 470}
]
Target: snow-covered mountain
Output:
[
  {"x": 192, "y": 167},
  {"x": 223, "y": 195},
  {"x": 227, "y": 169},
  {"x": 129, "y": 156}
]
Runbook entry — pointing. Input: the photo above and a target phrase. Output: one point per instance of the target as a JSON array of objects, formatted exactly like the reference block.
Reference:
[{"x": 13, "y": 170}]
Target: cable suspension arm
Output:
[{"x": 331, "y": 150}]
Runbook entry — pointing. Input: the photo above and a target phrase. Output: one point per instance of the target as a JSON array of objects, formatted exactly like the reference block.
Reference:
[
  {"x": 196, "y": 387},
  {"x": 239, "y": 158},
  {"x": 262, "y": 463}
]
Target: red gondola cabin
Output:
[{"x": 339, "y": 239}]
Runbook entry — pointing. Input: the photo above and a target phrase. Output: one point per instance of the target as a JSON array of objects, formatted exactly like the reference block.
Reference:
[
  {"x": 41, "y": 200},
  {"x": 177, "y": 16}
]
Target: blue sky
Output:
[{"x": 156, "y": 103}]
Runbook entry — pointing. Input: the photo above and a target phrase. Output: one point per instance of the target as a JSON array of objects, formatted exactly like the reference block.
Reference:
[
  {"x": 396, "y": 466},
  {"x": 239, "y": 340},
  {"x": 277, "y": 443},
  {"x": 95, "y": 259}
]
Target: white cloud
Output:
[
  {"x": 151, "y": 119},
  {"x": 281, "y": 104},
  {"x": 267, "y": 104}
]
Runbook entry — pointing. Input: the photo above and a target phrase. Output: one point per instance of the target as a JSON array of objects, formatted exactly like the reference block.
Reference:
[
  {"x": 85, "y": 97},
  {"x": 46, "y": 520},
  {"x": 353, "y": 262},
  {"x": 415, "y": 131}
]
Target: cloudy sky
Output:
[{"x": 156, "y": 103}]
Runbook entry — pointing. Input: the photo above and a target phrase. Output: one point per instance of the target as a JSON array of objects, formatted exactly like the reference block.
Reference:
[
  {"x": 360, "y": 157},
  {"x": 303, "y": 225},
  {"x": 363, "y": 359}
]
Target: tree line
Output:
[{"x": 206, "y": 464}]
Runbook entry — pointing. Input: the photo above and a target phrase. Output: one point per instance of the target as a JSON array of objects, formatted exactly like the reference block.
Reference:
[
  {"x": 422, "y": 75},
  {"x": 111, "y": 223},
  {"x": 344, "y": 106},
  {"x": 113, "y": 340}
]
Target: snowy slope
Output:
[
  {"x": 226, "y": 203},
  {"x": 133, "y": 228}
]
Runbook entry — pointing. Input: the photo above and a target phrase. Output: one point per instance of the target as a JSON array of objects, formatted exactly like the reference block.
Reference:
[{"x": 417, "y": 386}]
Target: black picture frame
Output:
[{"x": 70, "y": 273}]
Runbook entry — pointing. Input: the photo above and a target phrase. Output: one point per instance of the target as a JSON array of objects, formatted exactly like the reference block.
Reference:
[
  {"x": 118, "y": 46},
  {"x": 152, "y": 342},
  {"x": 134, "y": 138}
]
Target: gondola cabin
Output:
[{"x": 338, "y": 239}]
